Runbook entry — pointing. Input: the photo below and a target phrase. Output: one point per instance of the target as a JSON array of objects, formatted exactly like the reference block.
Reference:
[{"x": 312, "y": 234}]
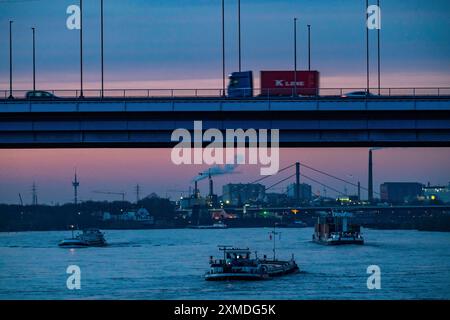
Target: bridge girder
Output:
[{"x": 130, "y": 124}]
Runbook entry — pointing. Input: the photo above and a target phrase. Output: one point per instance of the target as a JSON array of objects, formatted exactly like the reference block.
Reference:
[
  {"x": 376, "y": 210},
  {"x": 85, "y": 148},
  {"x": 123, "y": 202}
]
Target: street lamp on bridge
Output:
[
  {"x": 295, "y": 57},
  {"x": 239, "y": 33},
  {"x": 34, "y": 58},
  {"x": 10, "y": 61},
  {"x": 379, "y": 55},
  {"x": 223, "y": 48},
  {"x": 101, "y": 46},
  {"x": 367, "y": 50},
  {"x": 309, "y": 47},
  {"x": 81, "y": 48}
]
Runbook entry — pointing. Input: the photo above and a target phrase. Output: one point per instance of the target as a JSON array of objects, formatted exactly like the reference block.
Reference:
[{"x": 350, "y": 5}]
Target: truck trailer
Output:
[{"x": 274, "y": 83}]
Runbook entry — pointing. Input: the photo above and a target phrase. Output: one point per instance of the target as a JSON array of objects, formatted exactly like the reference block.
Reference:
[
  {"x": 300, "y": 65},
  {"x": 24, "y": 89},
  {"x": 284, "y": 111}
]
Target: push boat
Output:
[
  {"x": 335, "y": 229},
  {"x": 88, "y": 238},
  {"x": 238, "y": 264},
  {"x": 218, "y": 225},
  {"x": 73, "y": 243}
]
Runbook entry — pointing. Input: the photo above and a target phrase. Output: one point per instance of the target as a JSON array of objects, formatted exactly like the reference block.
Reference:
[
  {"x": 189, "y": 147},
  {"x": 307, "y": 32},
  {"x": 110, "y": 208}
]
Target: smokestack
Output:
[
  {"x": 370, "y": 187},
  {"x": 359, "y": 191},
  {"x": 211, "y": 187},
  {"x": 195, "y": 189}
]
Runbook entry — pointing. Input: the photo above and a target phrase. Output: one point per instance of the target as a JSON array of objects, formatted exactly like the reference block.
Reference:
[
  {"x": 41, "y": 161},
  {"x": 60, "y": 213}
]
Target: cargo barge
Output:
[
  {"x": 335, "y": 229},
  {"x": 238, "y": 264},
  {"x": 89, "y": 238}
]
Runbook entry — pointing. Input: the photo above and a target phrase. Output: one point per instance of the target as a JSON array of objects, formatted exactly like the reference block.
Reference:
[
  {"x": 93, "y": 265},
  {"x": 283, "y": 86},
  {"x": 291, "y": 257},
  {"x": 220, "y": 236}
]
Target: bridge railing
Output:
[{"x": 238, "y": 93}]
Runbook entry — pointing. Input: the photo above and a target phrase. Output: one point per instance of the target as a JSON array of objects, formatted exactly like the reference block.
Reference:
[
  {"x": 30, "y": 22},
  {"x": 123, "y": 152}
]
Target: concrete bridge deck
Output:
[{"x": 316, "y": 122}]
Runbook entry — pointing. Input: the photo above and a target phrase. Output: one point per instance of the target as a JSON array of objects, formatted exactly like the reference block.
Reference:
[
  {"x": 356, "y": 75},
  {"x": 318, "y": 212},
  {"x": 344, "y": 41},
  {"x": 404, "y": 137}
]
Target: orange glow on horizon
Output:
[
  {"x": 122, "y": 169},
  {"x": 405, "y": 79}
]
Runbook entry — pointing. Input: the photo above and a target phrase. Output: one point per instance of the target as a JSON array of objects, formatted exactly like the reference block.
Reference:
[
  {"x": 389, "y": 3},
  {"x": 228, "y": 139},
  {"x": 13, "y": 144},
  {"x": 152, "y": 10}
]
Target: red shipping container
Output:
[{"x": 285, "y": 83}]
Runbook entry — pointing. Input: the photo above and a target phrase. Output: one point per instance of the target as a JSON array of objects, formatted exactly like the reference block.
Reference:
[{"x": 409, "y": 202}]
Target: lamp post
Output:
[
  {"x": 379, "y": 55},
  {"x": 81, "y": 48},
  {"x": 223, "y": 48},
  {"x": 34, "y": 58},
  {"x": 101, "y": 46},
  {"x": 10, "y": 61},
  {"x": 239, "y": 33},
  {"x": 367, "y": 50},
  {"x": 295, "y": 56},
  {"x": 309, "y": 47}
]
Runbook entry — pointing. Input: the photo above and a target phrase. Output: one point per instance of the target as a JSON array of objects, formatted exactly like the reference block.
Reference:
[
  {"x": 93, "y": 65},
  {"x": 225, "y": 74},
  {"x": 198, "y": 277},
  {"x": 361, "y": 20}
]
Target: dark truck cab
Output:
[{"x": 240, "y": 85}]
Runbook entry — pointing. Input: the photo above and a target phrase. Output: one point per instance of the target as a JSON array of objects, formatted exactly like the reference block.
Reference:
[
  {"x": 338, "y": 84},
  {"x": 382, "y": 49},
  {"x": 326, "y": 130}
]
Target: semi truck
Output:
[{"x": 274, "y": 83}]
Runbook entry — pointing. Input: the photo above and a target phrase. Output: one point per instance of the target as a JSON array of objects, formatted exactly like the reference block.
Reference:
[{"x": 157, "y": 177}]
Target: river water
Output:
[{"x": 169, "y": 264}]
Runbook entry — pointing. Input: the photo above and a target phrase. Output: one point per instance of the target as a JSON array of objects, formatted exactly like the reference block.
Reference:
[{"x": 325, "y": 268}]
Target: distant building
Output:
[
  {"x": 240, "y": 194},
  {"x": 106, "y": 216},
  {"x": 305, "y": 191},
  {"x": 141, "y": 215},
  {"x": 128, "y": 216},
  {"x": 276, "y": 199},
  {"x": 400, "y": 192},
  {"x": 190, "y": 202},
  {"x": 440, "y": 193}
]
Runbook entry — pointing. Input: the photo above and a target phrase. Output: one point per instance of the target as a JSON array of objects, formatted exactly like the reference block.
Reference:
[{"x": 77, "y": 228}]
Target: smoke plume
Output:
[{"x": 217, "y": 171}]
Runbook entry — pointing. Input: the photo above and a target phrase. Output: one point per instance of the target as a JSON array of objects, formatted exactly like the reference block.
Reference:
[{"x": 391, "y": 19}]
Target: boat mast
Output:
[
  {"x": 71, "y": 228},
  {"x": 273, "y": 235}
]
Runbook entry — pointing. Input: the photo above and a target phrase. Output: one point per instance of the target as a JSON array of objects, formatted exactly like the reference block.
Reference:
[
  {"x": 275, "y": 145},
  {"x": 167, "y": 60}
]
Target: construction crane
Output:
[{"x": 112, "y": 193}]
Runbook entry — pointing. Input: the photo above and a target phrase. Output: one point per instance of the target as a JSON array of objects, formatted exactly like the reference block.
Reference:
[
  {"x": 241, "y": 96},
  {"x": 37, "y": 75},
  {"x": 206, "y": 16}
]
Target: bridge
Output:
[
  {"x": 293, "y": 207},
  {"x": 344, "y": 208},
  {"x": 148, "y": 121}
]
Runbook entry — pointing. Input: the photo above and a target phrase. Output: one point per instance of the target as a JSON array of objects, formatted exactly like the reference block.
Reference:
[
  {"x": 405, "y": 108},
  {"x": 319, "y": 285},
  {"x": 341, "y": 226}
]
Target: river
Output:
[{"x": 169, "y": 264}]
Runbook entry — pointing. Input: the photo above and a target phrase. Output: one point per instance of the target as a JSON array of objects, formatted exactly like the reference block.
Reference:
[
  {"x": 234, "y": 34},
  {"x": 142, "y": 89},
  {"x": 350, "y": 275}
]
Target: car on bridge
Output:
[
  {"x": 358, "y": 94},
  {"x": 39, "y": 94}
]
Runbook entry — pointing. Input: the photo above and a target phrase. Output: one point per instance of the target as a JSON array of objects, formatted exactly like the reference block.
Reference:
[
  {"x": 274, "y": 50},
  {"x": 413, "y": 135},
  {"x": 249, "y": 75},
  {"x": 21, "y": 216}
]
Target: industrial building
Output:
[
  {"x": 240, "y": 194},
  {"x": 277, "y": 199},
  {"x": 400, "y": 192},
  {"x": 305, "y": 191},
  {"x": 439, "y": 193}
]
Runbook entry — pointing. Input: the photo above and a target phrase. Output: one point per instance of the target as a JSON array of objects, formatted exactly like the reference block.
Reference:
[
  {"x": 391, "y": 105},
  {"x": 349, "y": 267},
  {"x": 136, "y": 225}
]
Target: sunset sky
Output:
[
  {"x": 121, "y": 169},
  {"x": 177, "y": 44}
]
